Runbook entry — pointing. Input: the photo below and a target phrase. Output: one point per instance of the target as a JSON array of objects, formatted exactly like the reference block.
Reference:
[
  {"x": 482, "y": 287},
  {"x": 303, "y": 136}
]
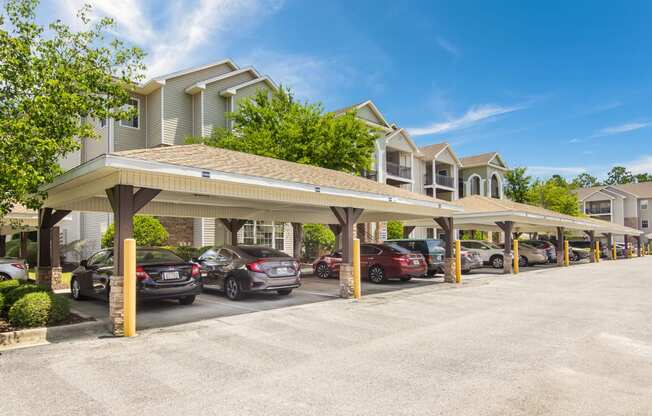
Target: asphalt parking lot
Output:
[{"x": 571, "y": 341}]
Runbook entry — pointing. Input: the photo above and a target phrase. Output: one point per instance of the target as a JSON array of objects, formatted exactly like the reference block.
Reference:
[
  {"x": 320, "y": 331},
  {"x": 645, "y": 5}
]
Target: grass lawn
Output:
[{"x": 65, "y": 277}]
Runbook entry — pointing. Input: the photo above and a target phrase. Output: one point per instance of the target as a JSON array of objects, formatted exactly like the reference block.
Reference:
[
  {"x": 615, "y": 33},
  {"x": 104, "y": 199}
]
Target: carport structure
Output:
[
  {"x": 512, "y": 218},
  {"x": 20, "y": 220},
  {"x": 609, "y": 229},
  {"x": 201, "y": 181}
]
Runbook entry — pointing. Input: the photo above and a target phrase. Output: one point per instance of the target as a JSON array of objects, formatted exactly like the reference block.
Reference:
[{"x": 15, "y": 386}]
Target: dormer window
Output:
[{"x": 134, "y": 122}]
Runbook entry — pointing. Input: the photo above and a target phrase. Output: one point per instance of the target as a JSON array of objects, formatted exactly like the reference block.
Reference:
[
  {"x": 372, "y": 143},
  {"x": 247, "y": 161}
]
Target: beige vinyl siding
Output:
[
  {"x": 127, "y": 138},
  {"x": 365, "y": 113},
  {"x": 250, "y": 91},
  {"x": 196, "y": 114},
  {"x": 399, "y": 142},
  {"x": 215, "y": 105},
  {"x": 154, "y": 118},
  {"x": 177, "y": 105}
]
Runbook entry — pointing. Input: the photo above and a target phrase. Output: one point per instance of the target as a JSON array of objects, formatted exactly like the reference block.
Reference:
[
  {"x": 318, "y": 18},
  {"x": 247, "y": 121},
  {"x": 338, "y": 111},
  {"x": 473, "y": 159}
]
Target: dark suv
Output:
[{"x": 431, "y": 249}]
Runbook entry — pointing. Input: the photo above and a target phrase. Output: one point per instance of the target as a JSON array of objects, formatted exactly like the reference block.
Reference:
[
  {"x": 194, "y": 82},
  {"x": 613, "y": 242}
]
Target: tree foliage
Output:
[
  {"x": 643, "y": 177},
  {"x": 52, "y": 79},
  {"x": 618, "y": 175},
  {"x": 517, "y": 184},
  {"x": 585, "y": 180},
  {"x": 317, "y": 237},
  {"x": 394, "y": 230},
  {"x": 148, "y": 231},
  {"x": 278, "y": 126},
  {"x": 555, "y": 194}
]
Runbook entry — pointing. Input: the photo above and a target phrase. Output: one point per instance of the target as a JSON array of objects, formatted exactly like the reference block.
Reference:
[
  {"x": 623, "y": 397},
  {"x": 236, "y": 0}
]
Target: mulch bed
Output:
[{"x": 73, "y": 318}]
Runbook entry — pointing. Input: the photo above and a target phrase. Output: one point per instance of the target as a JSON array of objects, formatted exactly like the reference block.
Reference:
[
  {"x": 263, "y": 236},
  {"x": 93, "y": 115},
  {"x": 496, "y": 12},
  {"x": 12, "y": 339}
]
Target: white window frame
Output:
[
  {"x": 137, "y": 112},
  {"x": 645, "y": 224},
  {"x": 644, "y": 204}
]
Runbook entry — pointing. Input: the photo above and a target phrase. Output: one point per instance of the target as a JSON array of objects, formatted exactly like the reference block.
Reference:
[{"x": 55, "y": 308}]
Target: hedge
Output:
[
  {"x": 7, "y": 285},
  {"x": 2, "y": 301},
  {"x": 39, "y": 309},
  {"x": 17, "y": 293}
]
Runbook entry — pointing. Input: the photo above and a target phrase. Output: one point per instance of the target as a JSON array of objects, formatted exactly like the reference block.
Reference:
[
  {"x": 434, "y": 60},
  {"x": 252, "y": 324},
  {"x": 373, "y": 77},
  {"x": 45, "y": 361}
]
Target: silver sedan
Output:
[{"x": 12, "y": 269}]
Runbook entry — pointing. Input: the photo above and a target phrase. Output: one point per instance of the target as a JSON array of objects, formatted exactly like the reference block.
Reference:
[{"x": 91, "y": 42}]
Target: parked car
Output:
[
  {"x": 11, "y": 268},
  {"x": 239, "y": 270},
  {"x": 378, "y": 262},
  {"x": 547, "y": 246},
  {"x": 433, "y": 251},
  {"x": 160, "y": 274},
  {"x": 490, "y": 253},
  {"x": 579, "y": 249},
  {"x": 529, "y": 255}
]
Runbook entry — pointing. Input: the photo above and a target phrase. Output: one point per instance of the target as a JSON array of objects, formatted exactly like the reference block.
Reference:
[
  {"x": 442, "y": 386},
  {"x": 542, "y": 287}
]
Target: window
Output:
[
  {"x": 443, "y": 172},
  {"x": 475, "y": 185},
  {"x": 132, "y": 122},
  {"x": 367, "y": 250},
  {"x": 144, "y": 256},
  {"x": 103, "y": 122},
  {"x": 99, "y": 259},
  {"x": 644, "y": 224},
  {"x": 644, "y": 204},
  {"x": 264, "y": 233},
  {"x": 261, "y": 252}
]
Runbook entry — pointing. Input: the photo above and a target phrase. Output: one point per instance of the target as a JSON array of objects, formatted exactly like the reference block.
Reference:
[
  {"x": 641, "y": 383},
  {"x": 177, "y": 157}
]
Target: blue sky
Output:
[{"x": 556, "y": 86}]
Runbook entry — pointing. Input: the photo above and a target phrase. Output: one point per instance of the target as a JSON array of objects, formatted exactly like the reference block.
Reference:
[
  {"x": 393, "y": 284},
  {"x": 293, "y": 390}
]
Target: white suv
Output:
[{"x": 489, "y": 252}]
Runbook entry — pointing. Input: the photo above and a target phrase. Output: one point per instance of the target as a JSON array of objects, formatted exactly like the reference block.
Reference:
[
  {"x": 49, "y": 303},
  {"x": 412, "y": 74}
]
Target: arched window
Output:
[
  {"x": 475, "y": 185},
  {"x": 495, "y": 186}
]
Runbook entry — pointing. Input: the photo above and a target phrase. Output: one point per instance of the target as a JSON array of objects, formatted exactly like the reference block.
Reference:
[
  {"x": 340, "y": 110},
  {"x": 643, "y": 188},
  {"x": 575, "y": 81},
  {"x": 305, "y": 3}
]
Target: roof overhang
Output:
[
  {"x": 201, "y": 85},
  {"x": 196, "y": 192},
  {"x": 229, "y": 92}
]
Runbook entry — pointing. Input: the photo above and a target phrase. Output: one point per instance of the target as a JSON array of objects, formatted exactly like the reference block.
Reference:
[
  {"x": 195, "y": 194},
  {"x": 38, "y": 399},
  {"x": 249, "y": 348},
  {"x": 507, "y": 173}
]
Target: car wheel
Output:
[
  {"x": 187, "y": 300},
  {"x": 405, "y": 279},
  {"x": 468, "y": 271},
  {"x": 4, "y": 276},
  {"x": 377, "y": 275},
  {"x": 75, "y": 289},
  {"x": 322, "y": 271},
  {"x": 284, "y": 292},
  {"x": 496, "y": 262},
  {"x": 232, "y": 289},
  {"x": 522, "y": 262}
]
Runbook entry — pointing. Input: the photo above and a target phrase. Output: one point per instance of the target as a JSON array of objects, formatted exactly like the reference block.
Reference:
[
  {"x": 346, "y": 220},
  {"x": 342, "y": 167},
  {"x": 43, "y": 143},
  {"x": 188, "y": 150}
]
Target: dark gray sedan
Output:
[{"x": 237, "y": 270}]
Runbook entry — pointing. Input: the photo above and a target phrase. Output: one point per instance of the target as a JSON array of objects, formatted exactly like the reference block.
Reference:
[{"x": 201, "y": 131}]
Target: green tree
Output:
[
  {"x": 278, "y": 126},
  {"x": 148, "y": 232},
  {"x": 53, "y": 79},
  {"x": 517, "y": 185},
  {"x": 554, "y": 195},
  {"x": 394, "y": 230},
  {"x": 643, "y": 177},
  {"x": 618, "y": 175},
  {"x": 585, "y": 180},
  {"x": 317, "y": 237}
]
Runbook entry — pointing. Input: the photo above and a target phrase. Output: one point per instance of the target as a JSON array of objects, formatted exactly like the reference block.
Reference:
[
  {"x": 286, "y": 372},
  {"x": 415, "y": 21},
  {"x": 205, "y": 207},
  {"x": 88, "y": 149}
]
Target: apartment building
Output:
[
  {"x": 627, "y": 204},
  {"x": 170, "y": 108}
]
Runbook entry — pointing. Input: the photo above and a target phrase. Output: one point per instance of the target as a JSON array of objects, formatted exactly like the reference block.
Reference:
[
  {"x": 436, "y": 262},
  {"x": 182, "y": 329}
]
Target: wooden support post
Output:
[
  {"x": 125, "y": 204},
  {"x": 638, "y": 246},
  {"x": 233, "y": 225},
  {"x": 346, "y": 217},
  {"x": 448, "y": 227},
  {"x": 3, "y": 245},
  {"x": 297, "y": 239},
  {"x": 407, "y": 230},
  {"x": 591, "y": 235},
  {"x": 507, "y": 229},
  {"x": 610, "y": 246},
  {"x": 22, "y": 253},
  {"x": 337, "y": 231},
  {"x": 48, "y": 273},
  {"x": 628, "y": 250},
  {"x": 560, "y": 246}
]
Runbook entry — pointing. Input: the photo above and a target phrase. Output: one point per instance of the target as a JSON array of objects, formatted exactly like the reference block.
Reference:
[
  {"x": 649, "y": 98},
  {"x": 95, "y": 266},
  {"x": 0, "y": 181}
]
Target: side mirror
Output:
[
  {"x": 83, "y": 263},
  {"x": 194, "y": 259}
]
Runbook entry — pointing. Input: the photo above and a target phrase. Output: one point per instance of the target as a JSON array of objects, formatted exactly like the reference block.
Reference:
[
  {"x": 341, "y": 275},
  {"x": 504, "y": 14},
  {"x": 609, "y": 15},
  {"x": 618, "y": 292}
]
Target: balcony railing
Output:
[
  {"x": 370, "y": 174},
  {"x": 401, "y": 171},
  {"x": 427, "y": 179},
  {"x": 444, "y": 180},
  {"x": 597, "y": 210}
]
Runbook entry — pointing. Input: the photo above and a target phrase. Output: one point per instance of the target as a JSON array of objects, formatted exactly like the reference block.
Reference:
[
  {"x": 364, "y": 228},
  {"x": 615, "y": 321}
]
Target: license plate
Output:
[
  {"x": 282, "y": 270},
  {"x": 170, "y": 275},
  {"x": 415, "y": 262}
]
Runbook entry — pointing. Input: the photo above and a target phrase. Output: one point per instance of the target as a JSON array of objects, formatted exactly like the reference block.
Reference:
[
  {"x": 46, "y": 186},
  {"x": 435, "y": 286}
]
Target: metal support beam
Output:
[
  {"x": 447, "y": 225},
  {"x": 407, "y": 230},
  {"x": 591, "y": 235},
  {"x": 297, "y": 239},
  {"x": 233, "y": 225},
  {"x": 507, "y": 228}
]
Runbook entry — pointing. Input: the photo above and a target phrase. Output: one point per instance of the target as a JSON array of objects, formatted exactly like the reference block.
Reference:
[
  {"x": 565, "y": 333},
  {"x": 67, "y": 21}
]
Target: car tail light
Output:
[
  {"x": 256, "y": 266},
  {"x": 18, "y": 266},
  {"x": 194, "y": 271},
  {"x": 429, "y": 258},
  {"x": 402, "y": 258},
  {"x": 141, "y": 274}
]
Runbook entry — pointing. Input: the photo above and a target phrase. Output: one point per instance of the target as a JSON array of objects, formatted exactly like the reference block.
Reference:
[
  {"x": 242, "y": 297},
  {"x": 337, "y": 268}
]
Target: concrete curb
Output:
[{"x": 41, "y": 336}]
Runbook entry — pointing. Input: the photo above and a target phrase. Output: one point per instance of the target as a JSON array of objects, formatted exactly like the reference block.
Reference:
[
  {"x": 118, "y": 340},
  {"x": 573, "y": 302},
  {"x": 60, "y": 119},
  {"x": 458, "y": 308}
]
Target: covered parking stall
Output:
[
  {"x": 609, "y": 230},
  {"x": 20, "y": 220},
  {"x": 205, "y": 182},
  {"x": 512, "y": 219}
]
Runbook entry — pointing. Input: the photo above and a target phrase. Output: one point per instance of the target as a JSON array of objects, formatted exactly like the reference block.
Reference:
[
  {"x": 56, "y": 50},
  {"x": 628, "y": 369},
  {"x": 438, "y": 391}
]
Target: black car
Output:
[
  {"x": 431, "y": 249},
  {"x": 160, "y": 274},
  {"x": 238, "y": 270}
]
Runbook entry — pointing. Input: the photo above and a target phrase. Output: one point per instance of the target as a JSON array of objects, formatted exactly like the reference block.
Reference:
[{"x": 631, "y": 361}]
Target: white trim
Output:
[
  {"x": 448, "y": 146},
  {"x": 146, "y": 123},
  {"x": 406, "y": 135},
  {"x": 201, "y": 110},
  {"x": 137, "y": 112},
  {"x": 374, "y": 110},
  {"x": 195, "y": 69},
  {"x": 470, "y": 185},
  {"x": 201, "y": 85},
  {"x": 234, "y": 90},
  {"x": 600, "y": 191},
  {"x": 194, "y": 120},
  {"x": 162, "y": 115}
]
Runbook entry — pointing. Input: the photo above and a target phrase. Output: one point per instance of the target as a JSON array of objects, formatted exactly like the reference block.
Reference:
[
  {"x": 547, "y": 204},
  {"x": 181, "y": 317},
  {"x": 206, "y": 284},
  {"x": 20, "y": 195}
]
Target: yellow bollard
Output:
[
  {"x": 129, "y": 274},
  {"x": 516, "y": 257},
  {"x": 598, "y": 252},
  {"x": 566, "y": 254},
  {"x": 614, "y": 253},
  {"x": 357, "y": 290},
  {"x": 458, "y": 261}
]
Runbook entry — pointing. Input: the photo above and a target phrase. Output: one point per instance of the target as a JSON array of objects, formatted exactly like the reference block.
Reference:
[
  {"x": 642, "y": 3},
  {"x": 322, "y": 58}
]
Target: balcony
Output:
[
  {"x": 370, "y": 174},
  {"x": 400, "y": 171},
  {"x": 597, "y": 210},
  {"x": 447, "y": 181}
]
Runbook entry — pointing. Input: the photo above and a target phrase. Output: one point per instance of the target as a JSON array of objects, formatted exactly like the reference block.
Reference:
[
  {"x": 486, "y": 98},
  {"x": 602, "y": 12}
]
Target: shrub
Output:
[
  {"x": 16, "y": 293},
  {"x": 39, "y": 309},
  {"x": 148, "y": 232},
  {"x": 187, "y": 252},
  {"x": 2, "y": 301},
  {"x": 7, "y": 285},
  {"x": 315, "y": 238},
  {"x": 394, "y": 230},
  {"x": 13, "y": 250}
]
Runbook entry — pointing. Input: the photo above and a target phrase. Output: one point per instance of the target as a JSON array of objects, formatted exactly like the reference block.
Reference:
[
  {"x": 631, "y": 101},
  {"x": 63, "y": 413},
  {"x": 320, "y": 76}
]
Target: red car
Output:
[{"x": 378, "y": 262}]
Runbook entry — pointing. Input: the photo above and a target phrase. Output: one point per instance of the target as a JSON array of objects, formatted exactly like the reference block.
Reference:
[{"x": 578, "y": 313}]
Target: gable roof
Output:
[
  {"x": 431, "y": 152},
  {"x": 372, "y": 107},
  {"x": 154, "y": 83},
  {"x": 637, "y": 190},
  {"x": 483, "y": 159},
  {"x": 407, "y": 137},
  {"x": 234, "y": 89},
  {"x": 201, "y": 85}
]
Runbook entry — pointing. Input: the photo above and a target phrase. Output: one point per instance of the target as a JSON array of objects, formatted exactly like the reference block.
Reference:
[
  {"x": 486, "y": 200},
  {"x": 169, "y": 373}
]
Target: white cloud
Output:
[
  {"x": 177, "y": 42},
  {"x": 640, "y": 165},
  {"x": 623, "y": 128},
  {"x": 448, "y": 47},
  {"x": 473, "y": 116},
  {"x": 559, "y": 170}
]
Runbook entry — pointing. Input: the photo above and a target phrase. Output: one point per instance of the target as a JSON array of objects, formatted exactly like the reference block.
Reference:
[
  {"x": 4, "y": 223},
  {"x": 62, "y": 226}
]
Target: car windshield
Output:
[
  {"x": 492, "y": 245},
  {"x": 144, "y": 256},
  {"x": 435, "y": 246},
  {"x": 261, "y": 252}
]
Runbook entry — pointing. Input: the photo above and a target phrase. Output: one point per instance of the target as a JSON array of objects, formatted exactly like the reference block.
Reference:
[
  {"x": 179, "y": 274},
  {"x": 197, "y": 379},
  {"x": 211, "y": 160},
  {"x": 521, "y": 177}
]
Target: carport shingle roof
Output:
[
  {"x": 211, "y": 158},
  {"x": 478, "y": 204}
]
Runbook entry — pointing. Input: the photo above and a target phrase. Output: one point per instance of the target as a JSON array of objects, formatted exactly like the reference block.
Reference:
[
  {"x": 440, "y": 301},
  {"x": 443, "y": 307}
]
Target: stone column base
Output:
[
  {"x": 49, "y": 277},
  {"x": 116, "y": 306},
  {"x": 449, "y": 270},
  {"x": 346, "y": 281},
  {"x": 508, "y": 264}
]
